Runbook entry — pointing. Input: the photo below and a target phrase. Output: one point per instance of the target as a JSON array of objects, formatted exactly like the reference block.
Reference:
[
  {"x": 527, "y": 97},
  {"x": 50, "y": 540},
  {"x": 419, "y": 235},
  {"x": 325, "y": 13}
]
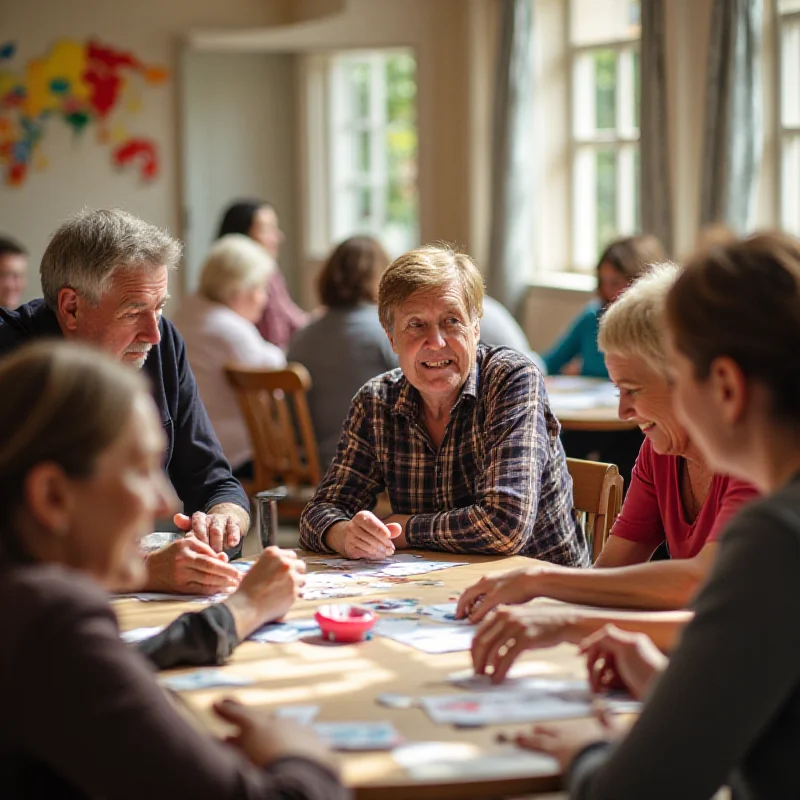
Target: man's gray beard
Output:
[{"x": 138, "y": 364}]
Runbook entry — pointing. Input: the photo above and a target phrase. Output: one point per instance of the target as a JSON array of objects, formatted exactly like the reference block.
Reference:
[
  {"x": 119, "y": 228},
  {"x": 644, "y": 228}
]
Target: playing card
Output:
[
  {"x": 140, "y": 634},
  {"x": 203, "y": 679},
  {"x": 304, "y": 715},
  {"x": 283, "y": 632},
  {"x": 359, "y": 735}
]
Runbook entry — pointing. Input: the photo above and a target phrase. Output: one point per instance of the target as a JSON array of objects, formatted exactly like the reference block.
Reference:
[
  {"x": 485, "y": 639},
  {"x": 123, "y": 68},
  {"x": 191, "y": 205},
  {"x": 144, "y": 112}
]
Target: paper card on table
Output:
[
  {"x": 400, "y": 565},
  {"x": 203, "y": 679},
  {"x": 303, "y": 715},
  {"x": 430, "y": 638},
  {"x": 140, "y": 634},
  {"x": 164, "y": 597},
  {"x": 392, "y": 605},
  {"x": 359, "y": 735},
  {"x": 448, "y": 761},
  {"x": 442, "y": 612},
  {"x": 531, "y": 700},
  {"x": 243, "y": 565},
  {"x": 283, "y": 632}
]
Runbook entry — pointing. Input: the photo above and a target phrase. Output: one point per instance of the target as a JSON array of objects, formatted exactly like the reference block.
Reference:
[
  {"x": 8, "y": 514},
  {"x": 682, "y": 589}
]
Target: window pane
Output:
[
  {"x": 637, "y": 89},
  {"x": 594, "y": 21},
  {"x": 790, "y": 185},
  {"x": 790, "y": 73},
  {"x": 605, "y": 89},
  {"x": 401, "y": 89},
  {"x": 606, "y": 197},
  {"x": 358, "y": 79},
  {"x": 785, "y": 6},
  {"x": 363, "y": 145},
  {"x": 363, "y": 206}
]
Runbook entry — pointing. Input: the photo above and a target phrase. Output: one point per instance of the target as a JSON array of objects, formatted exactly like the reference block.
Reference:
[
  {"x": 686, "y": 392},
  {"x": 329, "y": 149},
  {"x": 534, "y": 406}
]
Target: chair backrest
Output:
[
  {"x": 597, "y": 496},
  {"x": 274, "y": 404}
]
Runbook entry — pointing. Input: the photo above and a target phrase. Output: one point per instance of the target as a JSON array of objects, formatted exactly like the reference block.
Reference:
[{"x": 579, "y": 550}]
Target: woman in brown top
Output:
[{"x": 80, "y": 483}]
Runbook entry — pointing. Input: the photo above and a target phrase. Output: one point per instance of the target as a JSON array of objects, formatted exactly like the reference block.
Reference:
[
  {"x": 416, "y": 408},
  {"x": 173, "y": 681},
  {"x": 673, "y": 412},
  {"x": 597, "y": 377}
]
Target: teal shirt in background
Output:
[{"x": 580, "y": 340}]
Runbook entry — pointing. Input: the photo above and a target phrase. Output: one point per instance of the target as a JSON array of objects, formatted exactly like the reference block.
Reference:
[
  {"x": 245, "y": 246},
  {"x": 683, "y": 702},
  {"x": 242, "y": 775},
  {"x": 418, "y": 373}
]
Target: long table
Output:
[{"x": 344, "y": 680}]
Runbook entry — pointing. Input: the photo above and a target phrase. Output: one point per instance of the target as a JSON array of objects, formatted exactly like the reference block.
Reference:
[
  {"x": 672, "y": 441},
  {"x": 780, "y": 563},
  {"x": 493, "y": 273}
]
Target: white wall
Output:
[{"x": 238, "y": 134}]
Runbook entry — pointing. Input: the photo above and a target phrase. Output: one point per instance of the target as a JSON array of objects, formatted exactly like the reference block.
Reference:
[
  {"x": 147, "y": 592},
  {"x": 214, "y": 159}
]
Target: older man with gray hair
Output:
[{"x": 104, "y": 278}]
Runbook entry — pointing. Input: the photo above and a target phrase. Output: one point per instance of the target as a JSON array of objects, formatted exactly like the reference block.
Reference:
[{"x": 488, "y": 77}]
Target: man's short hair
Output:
[
  {"x": 92, "y": 245},
  {"x": 634, "y": 323},
  {"x": 430, "y": 267},
  {"x": 10, "y": 247}
]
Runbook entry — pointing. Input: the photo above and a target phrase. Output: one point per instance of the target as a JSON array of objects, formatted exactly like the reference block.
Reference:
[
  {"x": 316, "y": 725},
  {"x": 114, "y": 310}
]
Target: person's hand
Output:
[
  {"x": 508, "y": 588},
  {"x": 364, "y": 536},
  {"x": 619, "y": 659},
  {"x": 509, "y": 632},
  {"x": 188, "y": 566},
  {"x": 219, "y": 531},
  {"x": 564, "y": 740},
  {"x": 263, "y": 739},
  {"x": 267, "y": 591}
]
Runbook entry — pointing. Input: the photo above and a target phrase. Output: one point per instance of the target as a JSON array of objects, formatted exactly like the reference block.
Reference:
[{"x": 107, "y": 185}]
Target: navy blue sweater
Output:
[{"x": 194, "y": 460}]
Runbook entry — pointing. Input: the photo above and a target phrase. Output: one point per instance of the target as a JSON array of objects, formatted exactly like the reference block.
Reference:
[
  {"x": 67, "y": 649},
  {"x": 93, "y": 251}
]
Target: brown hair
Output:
[
  {"x": 432, "y": 266},
  {"x": 633, "y": 254},
  {"x": 349, "y": 275},
  {"x": 62, "y": 403},
  {"x": 742, "y": 300}
]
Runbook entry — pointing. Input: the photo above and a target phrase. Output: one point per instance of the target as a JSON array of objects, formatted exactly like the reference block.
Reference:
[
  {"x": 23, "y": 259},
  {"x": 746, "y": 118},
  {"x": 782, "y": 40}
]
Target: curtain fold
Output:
[
  {"x": 732, "y": 142},
  {"x": 656, "y": 191},
  {"x": 512, "y": 156}
]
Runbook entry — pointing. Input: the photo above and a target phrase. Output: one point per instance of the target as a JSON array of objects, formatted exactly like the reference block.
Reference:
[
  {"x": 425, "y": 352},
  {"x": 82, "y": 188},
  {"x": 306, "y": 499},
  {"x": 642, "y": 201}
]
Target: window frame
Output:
[{"x": 785, "y": 133}]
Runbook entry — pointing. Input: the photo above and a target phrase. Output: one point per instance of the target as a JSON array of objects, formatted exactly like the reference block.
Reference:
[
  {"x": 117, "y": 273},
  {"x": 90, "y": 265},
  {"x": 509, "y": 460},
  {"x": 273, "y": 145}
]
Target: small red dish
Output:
[{"x": 344, "y": 623}]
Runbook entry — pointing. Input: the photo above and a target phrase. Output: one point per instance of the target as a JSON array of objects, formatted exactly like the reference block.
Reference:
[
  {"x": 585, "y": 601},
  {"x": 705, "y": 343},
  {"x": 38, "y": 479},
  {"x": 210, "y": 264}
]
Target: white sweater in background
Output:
[{"x": 216, "y": 335}]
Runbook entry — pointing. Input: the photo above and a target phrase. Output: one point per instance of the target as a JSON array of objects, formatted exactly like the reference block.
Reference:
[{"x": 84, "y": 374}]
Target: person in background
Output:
[
  {"x": 460, "y": 436},
  {"x": 725, "y": 709},
  {"x": 81, "y": 482},
  {"x": 105, "y": 277},
  {"x": 259, "y": 220},
  {"x": 346, "y": 346},
  {"x": 675, "y": 497},
  {"x": 13, "y": 272},
  {"x": 218, "y": 325},
  {"x": 620, "y": 263},
  {"x": 499, "y": 328}
]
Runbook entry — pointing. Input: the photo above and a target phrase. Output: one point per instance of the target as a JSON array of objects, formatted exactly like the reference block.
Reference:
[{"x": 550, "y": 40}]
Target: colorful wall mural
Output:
[{"x": 84, "y": 85}]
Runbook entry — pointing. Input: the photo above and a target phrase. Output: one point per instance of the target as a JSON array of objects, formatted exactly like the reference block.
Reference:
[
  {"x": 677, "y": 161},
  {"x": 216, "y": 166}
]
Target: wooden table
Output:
[
  {"x": 585, "y": 404},
  {"x": 344, "y": 681}
]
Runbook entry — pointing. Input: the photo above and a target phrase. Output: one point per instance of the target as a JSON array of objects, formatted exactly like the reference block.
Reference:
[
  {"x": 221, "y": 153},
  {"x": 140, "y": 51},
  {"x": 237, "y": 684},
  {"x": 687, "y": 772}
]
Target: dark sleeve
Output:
[
  {"x": 735, "y": 668},
  {"x": 198, "y": 468},
  {"x": 94, "y": 715},
  {"x": 197, "y": 639}
]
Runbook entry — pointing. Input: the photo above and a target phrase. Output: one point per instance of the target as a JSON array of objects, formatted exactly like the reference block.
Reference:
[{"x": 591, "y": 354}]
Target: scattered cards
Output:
[
  {"x": 285, "y": 632},
  {"x": 303, "y": 715},
  {"x": 359, "y": 735},
  {"x": 203, "y": 679},
  {"x": 429, "y": 638}
]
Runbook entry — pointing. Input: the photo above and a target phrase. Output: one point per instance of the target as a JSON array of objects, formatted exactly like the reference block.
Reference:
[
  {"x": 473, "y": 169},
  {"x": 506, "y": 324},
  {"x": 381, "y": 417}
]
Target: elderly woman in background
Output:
[
  {"x": 258, "y": 219},
  {"x": 675, "y": 497},
  {"x": 218, "y": 326},
  {"x": 86, "y": 718},
  {"x": 620, "y": 264},
  {"x": 727, "y": 707},
  {"x": 461, "y": 436},
  {"x": 346, "y": 346}
]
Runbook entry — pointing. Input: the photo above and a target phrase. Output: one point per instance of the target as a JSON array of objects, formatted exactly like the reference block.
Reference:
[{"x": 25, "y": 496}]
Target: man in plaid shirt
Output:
[{"x": 461, "y": 436}]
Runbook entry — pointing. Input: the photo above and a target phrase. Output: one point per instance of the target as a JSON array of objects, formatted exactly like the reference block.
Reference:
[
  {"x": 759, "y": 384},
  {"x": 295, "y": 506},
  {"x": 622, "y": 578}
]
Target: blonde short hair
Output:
[
  {"x": 235, "y": 262},
  {"x": 430, "y": 267},
  {"x": 633, "y": 324}
]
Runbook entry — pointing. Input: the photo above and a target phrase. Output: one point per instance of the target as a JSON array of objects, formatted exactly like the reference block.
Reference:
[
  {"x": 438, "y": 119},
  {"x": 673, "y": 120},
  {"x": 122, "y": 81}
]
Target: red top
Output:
[
  {"x": 653, "y": 511},
  {"x": 281, "y": 316}
]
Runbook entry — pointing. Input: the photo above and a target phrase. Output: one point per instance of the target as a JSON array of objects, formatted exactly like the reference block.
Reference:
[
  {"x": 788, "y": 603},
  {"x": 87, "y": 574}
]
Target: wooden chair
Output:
[
  {"x": 597, "y": 496},
  {"x": 284, "y": 448}
]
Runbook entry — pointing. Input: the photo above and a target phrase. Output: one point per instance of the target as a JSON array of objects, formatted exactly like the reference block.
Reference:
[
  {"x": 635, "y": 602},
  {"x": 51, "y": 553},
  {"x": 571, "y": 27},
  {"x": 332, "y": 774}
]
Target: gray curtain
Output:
[
  {"x": 512, "y": 155},
  {"x": 733, "y": 130},
  {"x": 656, "y": 194}
]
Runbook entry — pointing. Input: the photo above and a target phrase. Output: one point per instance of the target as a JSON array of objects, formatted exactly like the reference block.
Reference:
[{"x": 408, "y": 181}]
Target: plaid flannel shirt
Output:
[{"x": 498, "y": 483}]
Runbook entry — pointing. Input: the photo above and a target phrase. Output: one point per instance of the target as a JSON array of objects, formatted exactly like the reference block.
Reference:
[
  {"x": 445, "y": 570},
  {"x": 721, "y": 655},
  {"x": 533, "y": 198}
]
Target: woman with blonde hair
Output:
[
  {"x": 218, "y": 326},
  {"x": 726, "y": 708},
  {"x": 80, "y": 483}
]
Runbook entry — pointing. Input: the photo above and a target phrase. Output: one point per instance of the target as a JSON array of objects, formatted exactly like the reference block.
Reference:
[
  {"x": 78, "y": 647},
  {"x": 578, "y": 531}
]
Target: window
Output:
[
  {"x": 603, "y": 51},
  {"x": 789, "y": 110},
  {"x": 373, "y": 148}
]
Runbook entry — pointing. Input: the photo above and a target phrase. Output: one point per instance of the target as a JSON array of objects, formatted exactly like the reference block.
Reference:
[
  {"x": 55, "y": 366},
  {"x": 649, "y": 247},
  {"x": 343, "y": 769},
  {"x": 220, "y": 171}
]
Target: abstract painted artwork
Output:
[{"x": 84, "y": 85}]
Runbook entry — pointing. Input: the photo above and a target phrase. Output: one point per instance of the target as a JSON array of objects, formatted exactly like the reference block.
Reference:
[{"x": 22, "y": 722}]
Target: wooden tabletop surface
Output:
[
  {"x": 344, "y": 681},
  {"x": 585, "y": 404}
]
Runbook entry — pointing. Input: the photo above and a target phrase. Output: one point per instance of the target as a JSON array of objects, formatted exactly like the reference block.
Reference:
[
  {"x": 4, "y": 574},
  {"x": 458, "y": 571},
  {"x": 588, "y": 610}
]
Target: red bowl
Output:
[{"x": 344, "y": 623}]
